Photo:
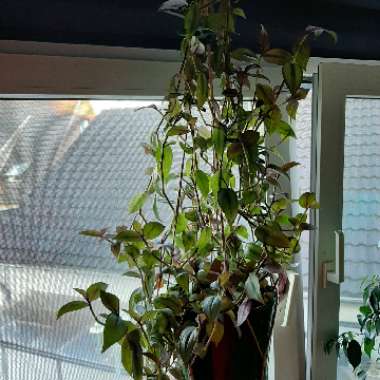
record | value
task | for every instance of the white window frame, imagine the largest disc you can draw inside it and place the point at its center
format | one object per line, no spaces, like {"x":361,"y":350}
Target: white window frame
{"x":83,"y":71}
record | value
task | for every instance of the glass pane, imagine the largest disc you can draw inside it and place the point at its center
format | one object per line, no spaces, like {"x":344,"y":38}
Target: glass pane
{"x":300,"y":151}
{"x":65,"y":166}
{"x":361,"y":210}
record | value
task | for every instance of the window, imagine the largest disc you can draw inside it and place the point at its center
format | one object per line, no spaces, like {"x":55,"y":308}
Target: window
{"x":70,"y":159}
{"x":67,"y":165}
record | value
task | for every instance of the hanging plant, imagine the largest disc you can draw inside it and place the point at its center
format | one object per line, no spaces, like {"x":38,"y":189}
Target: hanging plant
{"x":210,"y":240}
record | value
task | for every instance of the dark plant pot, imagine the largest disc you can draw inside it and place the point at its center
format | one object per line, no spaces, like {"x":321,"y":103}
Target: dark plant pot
{"x":237,"y":357}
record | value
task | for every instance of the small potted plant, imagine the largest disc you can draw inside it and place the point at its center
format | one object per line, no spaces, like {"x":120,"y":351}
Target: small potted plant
{"x":213,"y":271}
{"x":359,"y":347}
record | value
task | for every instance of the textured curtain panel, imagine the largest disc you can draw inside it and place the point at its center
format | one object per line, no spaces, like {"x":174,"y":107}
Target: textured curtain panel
{"x":300,"y":151}
{"x":65,"y":166}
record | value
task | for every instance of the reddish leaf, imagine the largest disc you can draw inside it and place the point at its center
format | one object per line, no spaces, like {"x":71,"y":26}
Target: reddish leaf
{"x":243,"y":312}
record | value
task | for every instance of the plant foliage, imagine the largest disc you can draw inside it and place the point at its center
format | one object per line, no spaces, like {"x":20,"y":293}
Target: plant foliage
{"x":357,"y":346}
{"x":224,"y":240}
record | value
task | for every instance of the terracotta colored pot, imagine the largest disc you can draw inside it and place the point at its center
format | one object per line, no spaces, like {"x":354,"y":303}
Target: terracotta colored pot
{"x":238,"y":357}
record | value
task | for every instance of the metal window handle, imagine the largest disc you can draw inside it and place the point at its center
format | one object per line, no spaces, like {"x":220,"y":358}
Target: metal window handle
{"x":335,"y":276}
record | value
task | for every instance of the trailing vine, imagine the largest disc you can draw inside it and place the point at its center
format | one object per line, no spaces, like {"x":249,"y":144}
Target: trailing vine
{"x":211,"y":239}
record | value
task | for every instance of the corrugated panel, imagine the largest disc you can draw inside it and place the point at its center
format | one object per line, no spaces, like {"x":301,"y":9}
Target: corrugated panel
{"x":90,"y":188}
{"x":77,"y":178}
{"x":361,"y":185}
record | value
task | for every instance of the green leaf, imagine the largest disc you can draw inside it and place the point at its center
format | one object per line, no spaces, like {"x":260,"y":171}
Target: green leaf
{"x":289,"y":165}
{"x":254,"y":252}
{"x":70,"y":307}
{"x":94,"y":233}
{"x":285,"y":130}
{"x":365,"y":310}
{"x":374,"y":299}
{"x":242,"y":232}
{"x":201,"y":92}
{"x":277,"y":56}
{"x":137,"y":202}
{"x":265,"y":93}
{"x":292,"y":108}
{"x":202,"y":182}
{"x":178,"y":130}
{"x":82,"y":292}
{"x":189,"y":239}
{"x":217,"y":332}
{"x":216,"y":21}
{"x":229,"y":204}
{"x":239,"y":12}
{"x":293,"y":75}
{"x":155,"y":209}
{"x":132,"y":354}
{"x":93,"y":291}
{"x":128,"y":236}
{"x":204,"y":238}
{"x":183,"y":281}
{"x":192,"y":216}
{"x":212,"y":305}
{"x":302,"y":55}
{"x":249,"y":197}
{"x":377,"y":325}
{"x":187,"y":340}
{"x":178,"y":373}
{"x":167,"y":301}
{"x":243,"y":54}
{"x":130,"y":255}
{"x":369,"y":345}
{"x":149,"y":315}
{"x":272,"y":237}
{"x":175,"y":106}
{"x":264,"y":39}
{"x":191,"y":19}
{"x":181,"y":223}
{"x":235,"y":152}
{"x":136,"y":297}
{"x":252,"y":287}
{"x":152,"y":230}
{"x":132,"y":273}
{"x":370,"y":329}
{"x":214,"y":183}
{"x":114,"y":330}
{"x":281,"y":204}
{"x":318,"y":31}
{"x":115,"y":249}
{"x":110,"y":301}
{"x":126,"y":357}
{"x":354,"y":353}
{"x":250,"y":139}
{"x":308,"y":200}
{"x":167,"y":162}
{"x":218,"y":140}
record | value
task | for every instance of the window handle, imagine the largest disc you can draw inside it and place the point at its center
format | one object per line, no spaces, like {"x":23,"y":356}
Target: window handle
{"x":334,"y":272}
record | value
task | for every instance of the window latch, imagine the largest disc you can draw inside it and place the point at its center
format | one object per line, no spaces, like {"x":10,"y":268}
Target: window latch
{"x":334,"y":271}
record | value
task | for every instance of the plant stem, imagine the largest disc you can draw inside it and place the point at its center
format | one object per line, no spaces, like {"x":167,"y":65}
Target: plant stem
{"x":94,"y":315}
{"x":255,"y":339}
{"x":162,"y":175}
